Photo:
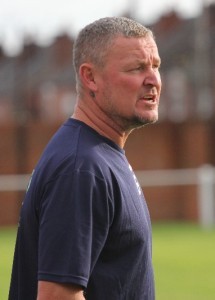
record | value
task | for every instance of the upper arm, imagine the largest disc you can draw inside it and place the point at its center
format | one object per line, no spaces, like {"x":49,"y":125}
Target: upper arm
{"x":74,"y":221}
{"x":55,"y":291}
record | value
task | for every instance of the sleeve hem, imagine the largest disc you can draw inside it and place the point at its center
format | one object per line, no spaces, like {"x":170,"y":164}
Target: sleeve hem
{"x":63,"y":279}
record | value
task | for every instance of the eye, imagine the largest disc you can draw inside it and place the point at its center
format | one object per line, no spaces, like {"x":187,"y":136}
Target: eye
{"x":156,"y":66}
{"x":140,"y":67}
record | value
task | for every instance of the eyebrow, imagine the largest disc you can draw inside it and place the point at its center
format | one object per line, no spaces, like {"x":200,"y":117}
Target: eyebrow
{"x":145,"y":62}
{"x":158,"y":60}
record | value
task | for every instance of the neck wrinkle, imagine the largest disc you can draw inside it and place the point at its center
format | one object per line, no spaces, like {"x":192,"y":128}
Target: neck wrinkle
{"x":100,"y":123}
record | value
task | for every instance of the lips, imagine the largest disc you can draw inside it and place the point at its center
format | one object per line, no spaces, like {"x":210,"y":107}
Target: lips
{"x":150,"y":98}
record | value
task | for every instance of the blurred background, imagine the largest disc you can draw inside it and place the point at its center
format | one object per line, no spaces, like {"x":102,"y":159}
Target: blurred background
{"x":174,"y":159}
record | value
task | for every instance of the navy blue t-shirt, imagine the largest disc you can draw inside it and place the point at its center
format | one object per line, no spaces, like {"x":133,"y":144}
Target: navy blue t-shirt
{"x":84,"y":220}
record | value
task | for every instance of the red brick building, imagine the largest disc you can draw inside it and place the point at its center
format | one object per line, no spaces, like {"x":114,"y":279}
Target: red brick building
{"x":37,"y":93}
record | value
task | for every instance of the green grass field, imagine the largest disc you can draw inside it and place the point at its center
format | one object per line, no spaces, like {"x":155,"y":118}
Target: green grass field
{"x":7,"y":243}
{"x":184,"y":262}
{"x":183,"y":255}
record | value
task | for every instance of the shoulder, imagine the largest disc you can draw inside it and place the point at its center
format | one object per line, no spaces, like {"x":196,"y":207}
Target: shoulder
{"x":77,"y":147}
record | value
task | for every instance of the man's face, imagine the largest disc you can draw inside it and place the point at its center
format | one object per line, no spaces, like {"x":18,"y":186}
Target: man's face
{"x":129,"y":83}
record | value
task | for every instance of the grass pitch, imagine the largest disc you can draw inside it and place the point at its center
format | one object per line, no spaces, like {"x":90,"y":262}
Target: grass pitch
{"x":183,"y":257}
{"x":184,"y":262}
{"x":7,"y":244}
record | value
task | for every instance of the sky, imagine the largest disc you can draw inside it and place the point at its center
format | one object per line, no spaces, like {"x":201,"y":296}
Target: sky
{"x":44,"y":19}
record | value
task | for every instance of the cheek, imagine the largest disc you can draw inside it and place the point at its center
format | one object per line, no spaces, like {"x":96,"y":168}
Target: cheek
{"x":123,"y":88}
{"x":127,"y":86}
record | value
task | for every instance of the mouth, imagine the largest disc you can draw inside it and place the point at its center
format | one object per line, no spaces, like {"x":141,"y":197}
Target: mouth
{"x":150,"y":98}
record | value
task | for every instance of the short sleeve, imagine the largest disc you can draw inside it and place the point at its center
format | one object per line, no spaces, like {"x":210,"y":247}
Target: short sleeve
{"x":75,"y":215}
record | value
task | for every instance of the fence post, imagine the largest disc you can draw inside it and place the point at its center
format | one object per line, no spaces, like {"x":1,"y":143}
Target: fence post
{"x":206,"y":195}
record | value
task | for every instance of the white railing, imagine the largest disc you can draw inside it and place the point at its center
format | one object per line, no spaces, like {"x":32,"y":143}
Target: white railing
{"x":203,"y":178}
{"x":10,"y":183}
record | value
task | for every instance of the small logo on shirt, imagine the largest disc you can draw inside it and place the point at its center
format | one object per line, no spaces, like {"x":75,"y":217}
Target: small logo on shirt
{"x":29,"y":183}
{"x":136,"y":181}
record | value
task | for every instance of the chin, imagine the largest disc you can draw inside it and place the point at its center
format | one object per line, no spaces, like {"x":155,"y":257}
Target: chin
{"x":139,"y":120}
{"x":149,"y":121}
{"x":148,"y":118}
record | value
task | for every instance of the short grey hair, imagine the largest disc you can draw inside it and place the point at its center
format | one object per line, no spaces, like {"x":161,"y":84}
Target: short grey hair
{"x":94,"y":40}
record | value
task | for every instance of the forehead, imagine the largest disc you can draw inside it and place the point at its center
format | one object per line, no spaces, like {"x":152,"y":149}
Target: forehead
{"x":134,"y":47}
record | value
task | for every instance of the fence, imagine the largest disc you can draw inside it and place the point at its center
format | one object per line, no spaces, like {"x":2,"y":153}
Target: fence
{"x":203,"y":177}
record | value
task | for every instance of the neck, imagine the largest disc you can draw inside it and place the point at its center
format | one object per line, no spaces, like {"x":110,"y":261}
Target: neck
{"x":94,"y":117}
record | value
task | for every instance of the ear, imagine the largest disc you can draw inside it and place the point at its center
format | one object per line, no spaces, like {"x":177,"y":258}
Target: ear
{"x":87,"y":76}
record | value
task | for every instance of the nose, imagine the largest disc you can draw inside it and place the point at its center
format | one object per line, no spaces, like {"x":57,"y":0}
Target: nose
{"x":153,"y":78}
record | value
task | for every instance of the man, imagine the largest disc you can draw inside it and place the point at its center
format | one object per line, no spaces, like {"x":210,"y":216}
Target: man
{"x":84,"y":229}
